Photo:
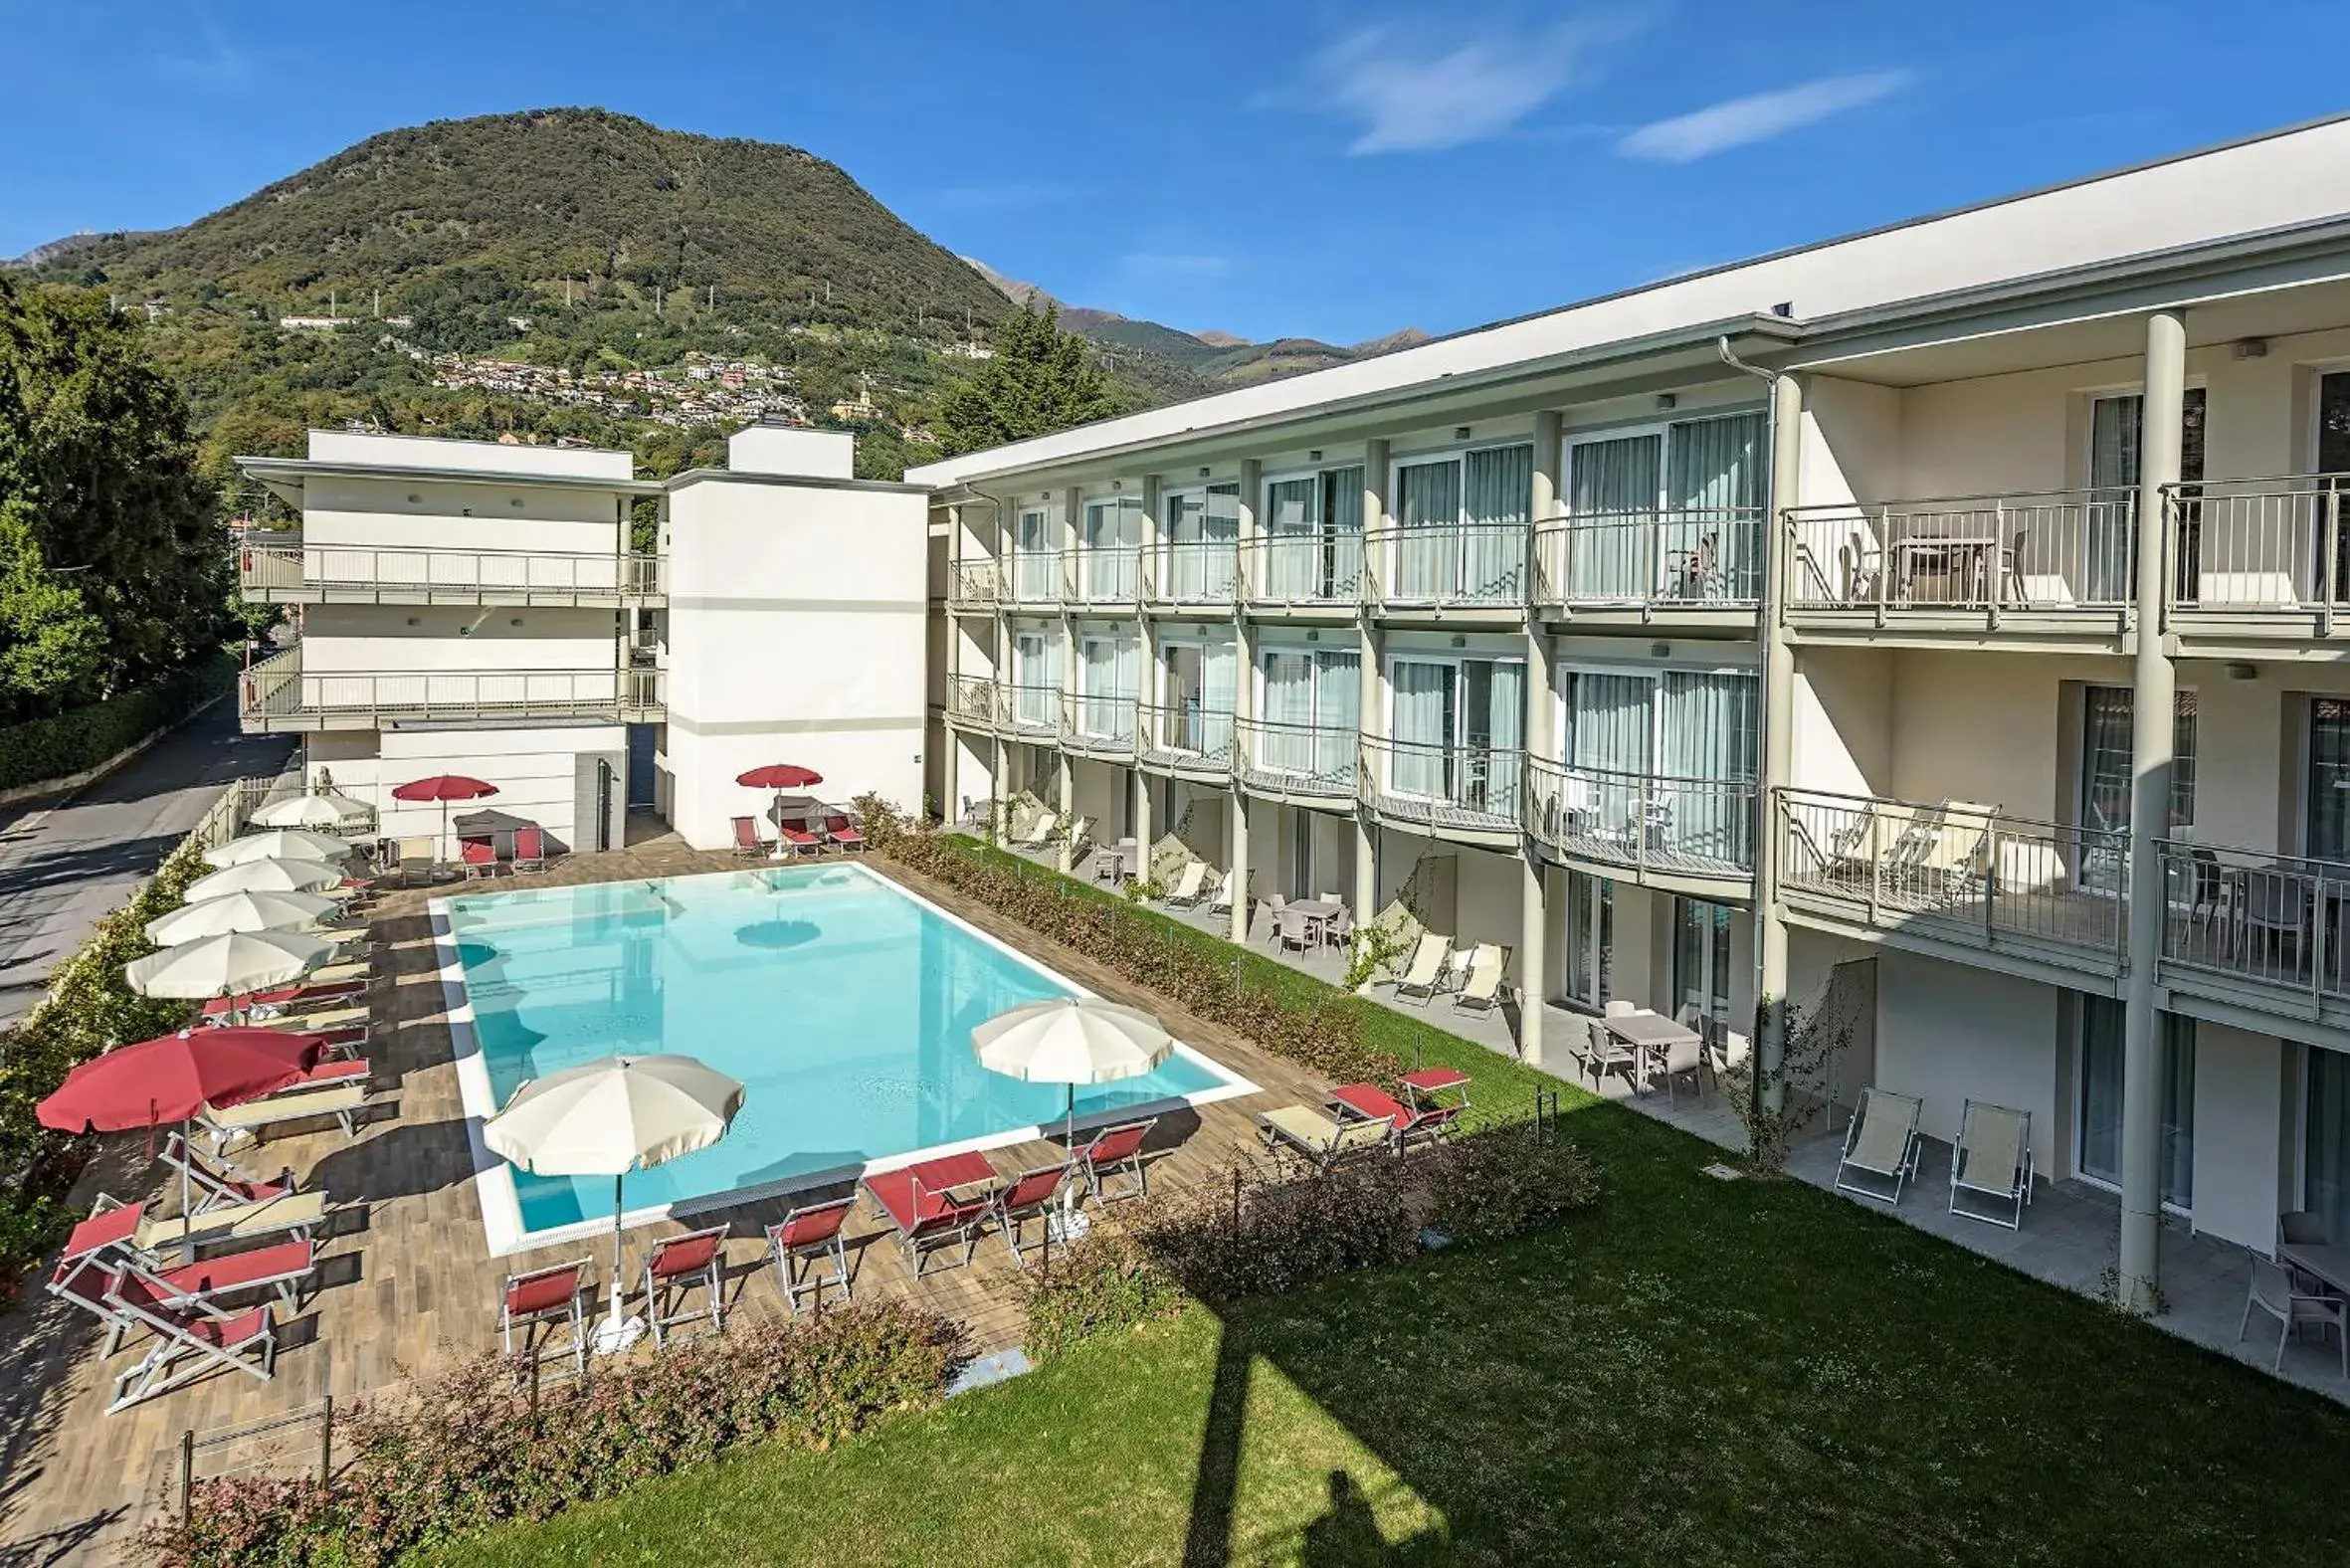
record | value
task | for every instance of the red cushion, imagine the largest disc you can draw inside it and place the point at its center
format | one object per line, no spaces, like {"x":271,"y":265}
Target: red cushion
{"x":809,"y":1227}
{"x":683,"y":1254}
{"x":105,"y":1229}
{"x":542,"y":1292}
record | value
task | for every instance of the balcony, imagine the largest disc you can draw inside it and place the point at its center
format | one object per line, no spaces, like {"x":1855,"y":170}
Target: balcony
{"x":1187,"y":742}
{"x":306,"y":573}
{"x":2263,"y":556}
{"x":1101,"y":579}
{"x":974,"y":585}
{"x":1034,"y":580}
{"x":975,"y":703}
{"x":1099,"y":726}
{"x":1310,"y":765}
{"x":1674,"y":832}
{"x":1303,"y":572}
{"x":2261,"y":932}
{"x":1464,"y":566}
{"x":1954,"y":880}
{"x":1030,"y":711}
{"x":1192,"y":573}
{"x":2050,"y":560}
{"x":279,"y":694}
{"x":1460,"y":791}
{"x":1689,"y":560}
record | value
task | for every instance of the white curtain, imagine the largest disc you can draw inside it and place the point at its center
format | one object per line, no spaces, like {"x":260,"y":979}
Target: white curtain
{"x":1289,"y":710}
{"x":1709,"y":737}
{"x":1341,"y":574}
{"x":1422,"y":727}
{"x":1506,"y":733}
{"x":1612,"y":490}
{"x":1499,"y":499}
{"x":1293,"y":548}
{"x":1217,"y":695}
{"x":1610,"y":718}
{"x":1715,"y":477}
{"x":1038,"y":573}
{"x":1428,"y":511}
{"x":1336,"y":702}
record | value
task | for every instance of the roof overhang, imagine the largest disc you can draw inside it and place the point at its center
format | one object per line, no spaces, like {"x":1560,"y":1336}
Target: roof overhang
{"x":286,"y":477}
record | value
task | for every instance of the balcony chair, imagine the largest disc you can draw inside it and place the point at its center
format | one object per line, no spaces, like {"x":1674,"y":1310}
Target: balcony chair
{"x":2272,"y":1291}
{"x":1881,"y":1146}
{"x":1031,"y":1195}
{"x":547,"y":1296}
{"x":1292,"y":930}
{"x":1110,"y":1151}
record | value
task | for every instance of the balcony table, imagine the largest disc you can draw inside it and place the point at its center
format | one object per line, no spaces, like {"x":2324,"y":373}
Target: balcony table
{"x":1964,"y":558}
{"x":1318,"y":913}
{"x":2323,"y":1261}
{"x":1650,"y":1035}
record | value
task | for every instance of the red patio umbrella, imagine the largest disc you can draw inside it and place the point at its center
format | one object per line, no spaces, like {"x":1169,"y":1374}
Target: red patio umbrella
{"x":173,"y":1077}
{"x":443,"y":787}
{"x":779,"y":776}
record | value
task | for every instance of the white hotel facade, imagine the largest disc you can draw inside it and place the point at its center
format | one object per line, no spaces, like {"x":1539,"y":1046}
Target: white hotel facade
{"x":1965,"y":601}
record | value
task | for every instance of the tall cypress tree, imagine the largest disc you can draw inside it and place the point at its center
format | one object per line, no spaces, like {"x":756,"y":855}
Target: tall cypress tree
{"x":1042,"y":379}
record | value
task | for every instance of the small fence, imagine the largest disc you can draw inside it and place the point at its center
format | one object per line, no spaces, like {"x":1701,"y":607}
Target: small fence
{"x":295,"y":1445}
{"x":1465,"y":564}
{"x":2272,"y":921}
{"x":2038,"y":550}
{"x":1700,"y":555}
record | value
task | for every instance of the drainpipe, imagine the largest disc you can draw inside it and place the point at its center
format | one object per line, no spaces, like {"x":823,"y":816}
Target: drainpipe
{"x":1151,"y":678}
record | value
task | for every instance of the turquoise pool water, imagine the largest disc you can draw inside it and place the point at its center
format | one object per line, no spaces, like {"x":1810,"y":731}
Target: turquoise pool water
{"x":844,"y":1003}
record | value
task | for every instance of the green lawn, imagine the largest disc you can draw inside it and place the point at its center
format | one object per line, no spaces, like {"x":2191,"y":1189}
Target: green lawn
{"x":1690,"y":1373}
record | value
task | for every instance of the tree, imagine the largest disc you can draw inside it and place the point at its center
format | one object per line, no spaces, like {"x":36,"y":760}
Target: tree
{"x":1040,"y":380}
{"x":50,"y":643}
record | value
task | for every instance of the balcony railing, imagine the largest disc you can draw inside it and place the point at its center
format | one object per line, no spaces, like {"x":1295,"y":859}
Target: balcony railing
{"x":974,"y":582}
{"x":1097,"y":575}
{"x":1694,"y":556}
{"x":1475,"y":565}
{"x":2048,"y":550}
{"x":1642,"y":820}
{"x":2267,"y":921}
{"x":1464,"y":787}
{"x":1186,"y":739}
{"x":1967,"y":874}
{"x":1029,"y":706}
{"x":2259,"y":544}
{"x":1035,"y":577}
{"x":975,"y":699}
{"x":1304,"y":569}
{"x":1192,"y":571}
{"x":280,"y":693}
{"x":1299,"y":761}
{"x":1098,"y":724}
{"x":345,"y":573}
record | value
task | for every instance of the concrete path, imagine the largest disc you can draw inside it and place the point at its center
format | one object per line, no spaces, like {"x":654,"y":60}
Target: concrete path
{"x":65,"y":863}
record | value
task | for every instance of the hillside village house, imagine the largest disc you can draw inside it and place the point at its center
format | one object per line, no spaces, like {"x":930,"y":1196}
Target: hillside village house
{"x":1954,"y":608}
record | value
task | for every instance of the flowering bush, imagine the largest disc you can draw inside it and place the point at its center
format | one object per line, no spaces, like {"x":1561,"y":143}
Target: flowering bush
{"x":1246,"y":1231}
{"x":1099,"y":1285}
{"x":469,"y":1450}
{"x":1505,"y":1180}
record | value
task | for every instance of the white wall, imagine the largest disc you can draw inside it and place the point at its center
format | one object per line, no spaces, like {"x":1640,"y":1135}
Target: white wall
{"x":2239,"y":1156}
{"x":378,"y":639}
{"x":796,"y":634}
{"x":456,"y":514}
{"x":543,"y":774}
{"x":1946,"y":1033}
{"x":480,"y":457}
{"x":783,"y":450}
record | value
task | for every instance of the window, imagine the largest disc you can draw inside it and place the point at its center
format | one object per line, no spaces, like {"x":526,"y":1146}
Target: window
{"x":1671,"y":753}
{"x":1039,"y":576}
{"x":1672,"y":510}
{"x":1590,"y":939}
{"x":1313,"y":526}
{"x":1702,"y":956}
{"x":2106,"y":748}
{"x":1113,"y":528}
{"x":1461,"y":526}
{"x":2101,"y":1048}
{"x":2325,"y":1139}
{"x":1196,"y":698}
{"x":1456,"y":728}
{"x":1203,"y":530}
{"x":1108,"y":668}
{"x":2116,"y":425}
{"x":1310,"y":699}
{"x":1035,"y":677}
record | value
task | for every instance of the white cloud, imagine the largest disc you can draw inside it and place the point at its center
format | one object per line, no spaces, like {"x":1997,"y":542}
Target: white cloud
{"x":1757,"y":118}
{"x":1412,"y":97}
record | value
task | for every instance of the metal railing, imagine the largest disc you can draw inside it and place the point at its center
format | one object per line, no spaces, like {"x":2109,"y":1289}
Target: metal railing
{"x":1188,"y":739}
{"x":359,"y":572}
{"x":2261,"y":919}
{"x":974,"y":582}
{"x":1467,"y":565}
{"x":1035,"y":577}
{"x":1645,"y":821}
{"x":974,"y":700}
{"x":1191,"y":571}
{"x":1969,"y":872}
{"x":2252,"y":544}
{"x":1302,"y":761}
{"x":1465,"y":787}
{"x":2035,"y":551}
{"x":1098,"y":724}
{"x":1319,"y":569}
{"x":1101,"y":575}
{"x":1697,"y":555}
{"x":280,"y":690}
{"x":1027,"y":706}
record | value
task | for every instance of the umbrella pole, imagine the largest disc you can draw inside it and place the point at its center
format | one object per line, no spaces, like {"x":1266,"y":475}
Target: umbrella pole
{"x":187,"y":1151}
{"x":615,"y":1296}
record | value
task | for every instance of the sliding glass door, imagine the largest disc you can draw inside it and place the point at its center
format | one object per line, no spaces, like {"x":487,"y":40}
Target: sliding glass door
{"x":2106,"y":749}
{"x":2116,"y":426}
{"x":1668,"y":756}
{"x":2100,"y":1074}
{"x":1112,"y":532}
{"x":2326,"y":835}
{"x":1196,"y":703}
{"x":1313,"y":547}
{"x":1672,"y":511}
{"x":1309,"y":703}
{"x":1036,"y":678}
{"x":1458,"y":731}
{"x":1590,"y":964}
{"x":1202,"y":542}
{"x":1461,"y":525}
{"x":1036,"y":571}
{"x":1702,"y":956}
{"x":2325,"y":1140}
{"x":1108,"y":671}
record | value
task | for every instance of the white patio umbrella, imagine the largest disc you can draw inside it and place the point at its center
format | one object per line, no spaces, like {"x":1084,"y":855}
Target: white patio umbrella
{"x":608,"y":1117}
{"x":228,"y":964}
{"x":279,"y":844}
{"x":239,"y":911}
{"x":325,"y":809}
{"x":1072,"y":1040}
{"x":266,"y":876}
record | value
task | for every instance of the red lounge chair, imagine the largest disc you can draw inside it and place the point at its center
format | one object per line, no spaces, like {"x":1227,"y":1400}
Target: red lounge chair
{"x":546,"y":1295}
{"x":287,"y":996}
{"x":840,"y":831}
{"x":213,"y":1182}
{"x":1435,"y":1080}
{"x":1032,"y":1195}
{"x":748,"y":845}
{"x":89,"y":1282}
{"x":189,"y":1342}
{"x":800,"y":838}
{"x":812,"y":1231}
{"x":1113,"y":1149}
{"x":530,"y":849}
{"x":929,"y":1205}
{"x":479,"y":858}
{"x":678,"y":1264}
{"x":1404,"y":1122}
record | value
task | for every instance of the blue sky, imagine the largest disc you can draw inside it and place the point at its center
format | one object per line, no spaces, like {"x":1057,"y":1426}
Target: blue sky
{"x":1322,"y":169}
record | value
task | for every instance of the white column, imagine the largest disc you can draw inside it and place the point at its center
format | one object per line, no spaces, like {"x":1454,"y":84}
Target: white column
{"x":1777,"y":735}
{"x":1370,"y":692}
{"x":2153,"y":699}
{"x":1534,"y":905}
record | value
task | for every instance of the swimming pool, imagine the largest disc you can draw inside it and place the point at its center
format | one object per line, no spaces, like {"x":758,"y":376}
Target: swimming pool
{"x":843,"y":1002}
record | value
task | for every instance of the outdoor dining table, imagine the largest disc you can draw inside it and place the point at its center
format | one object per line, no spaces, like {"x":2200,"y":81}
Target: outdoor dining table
{"x":1650,"y":1035}
{"x":2323,"y":1260}
{"x":1318,"y":913}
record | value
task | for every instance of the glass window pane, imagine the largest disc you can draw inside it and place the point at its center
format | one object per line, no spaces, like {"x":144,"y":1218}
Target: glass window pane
{"x":2325,"y":1142}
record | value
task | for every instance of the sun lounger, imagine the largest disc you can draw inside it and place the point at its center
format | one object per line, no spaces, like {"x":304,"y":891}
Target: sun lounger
{"x":1481,"y":989}
{"x":549,"y":1295}
{"x":1031,"y":1195}
{"x":748,"y":846}
{"x":841,"y":834}
{"x":1040,"y":832}
{"x":1991,"y":1164}
{"x":479,"y":859}
{"x":333,"y":1023}
{"x":1109,"y":1151}
{"x":1321,"y":1139}
{"x":213,"y":1182}
{"x":342,"y":1100}
{"x":87,"y":1282}
{"x":676,"y":1264}
{"x":1404,"y":1122}
{"x":419,"y":859}
{"x":114,"y":1227}
{"x":800,"y":840}
{"x":530,"y":849}
{"x":310,"y":994}
{"x":1425,"y":971}
{"x":810,"y":1233}
{"x":1880,"y":1145}
{"x":1189,"y":887}
{"x":189,"y":1342}
{"x":936,"y":1203}
{"x":1437,"y":1081}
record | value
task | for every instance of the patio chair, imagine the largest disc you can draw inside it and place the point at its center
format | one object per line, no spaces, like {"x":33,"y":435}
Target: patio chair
{"x":1189,"y":887}
{"x":1292,"y":929}
{"x":190,"y":1342}
{"x":935,"y":1204}
{"x":1039,"y":835}
{"x":810,"y":1233}
{"x":477,"y":858}
{"x":2272,"y":1293}
{"x":1480,"y":987}
{"x":801,"y":839}
{"x":1031,"y":1195}
{"x":1220,"y":902}
{"x":419,"y":859}
{"x":1320,"y":1140}
{"x":1338,"y":930}
{"x":1881,"y":1144}
{"x":234,"y":1123}
{"x":132,"y":1229}
{"x":1685,"y":1059}
{"x":1404,"y":1122}
{"x":841,"y":834}
{"x":748,"y":846}
{"x":675,"y":1266}
{"x":552,"y":1295}
{"x":530,"y":849}
{"x":2302,"y":1227}
{"x":213,"y":1182}
{"x":1605,"y":1054}
{"x":1991,"y":1164}
{"x":1109,"y":1151}
{"x":1275,"y":908}
{"x":87,"y":1282}
{"x":1425,"y":971}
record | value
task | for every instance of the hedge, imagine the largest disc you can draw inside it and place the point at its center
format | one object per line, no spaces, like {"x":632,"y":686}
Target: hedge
{"x":81,"y":739}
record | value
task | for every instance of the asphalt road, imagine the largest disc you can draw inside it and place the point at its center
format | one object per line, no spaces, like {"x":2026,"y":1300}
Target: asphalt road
{"x":65,"y":863}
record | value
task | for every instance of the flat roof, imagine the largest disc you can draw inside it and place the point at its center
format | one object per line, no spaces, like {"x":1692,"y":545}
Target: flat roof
{"x":292,"y":472}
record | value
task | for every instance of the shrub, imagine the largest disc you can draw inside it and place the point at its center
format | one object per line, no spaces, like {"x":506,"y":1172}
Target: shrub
{"x":470,"y":1450}
{"x":1097,"y":1285}
{"x":42,"y":749}
{"x":1505,"y":1180}
{"x":1246,"y":1231}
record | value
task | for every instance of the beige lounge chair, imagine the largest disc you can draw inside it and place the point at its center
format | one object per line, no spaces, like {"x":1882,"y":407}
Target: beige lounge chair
{"x":1322,"y":1139}
{"x":1189,"y":887}
{"x":1991,"y":1164}
{"x":342,"y":1101}
{"x":1881,"y":1146}
{"x":1425,"y":971}
{"x":296,"y":1213}
{"x":1480,"y":987}
{"x":1040,"y":832}
{"x":1945,"y":851}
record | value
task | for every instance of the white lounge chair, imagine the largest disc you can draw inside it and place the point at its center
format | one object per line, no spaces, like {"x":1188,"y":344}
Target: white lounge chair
{"x":1322,"y":1139}
{"x":1991,"y":1164}
{"x":2272,"y":1291}
{"x":191,"y":1339}
{"x":342,"y":1101}
{"x":1880,"y":1145}
{"x":1481,"y":988}
{"x":1040,"y":832}
{"x":1425,"y":972}
{"x":1220,"y":902}
{"x":1189,"y":887}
